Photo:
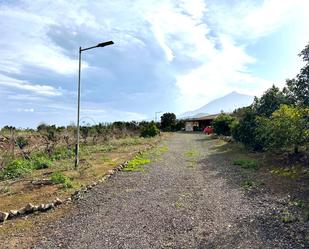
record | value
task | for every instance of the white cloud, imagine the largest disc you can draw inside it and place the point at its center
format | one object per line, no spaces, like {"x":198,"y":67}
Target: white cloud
{"x":25,"y":110}
{"x":38,"y":89}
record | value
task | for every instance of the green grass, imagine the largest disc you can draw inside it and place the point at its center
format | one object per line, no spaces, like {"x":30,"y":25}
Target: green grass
{"x":179,"y":204}
{"x":191,"y":153}
{"x":247,"y":163}
{"x":136,"y":164}
{"x":292,"y":172}
{"x":287,"y":217}
{"x":60,"y":178}
{"x":16,"y":168}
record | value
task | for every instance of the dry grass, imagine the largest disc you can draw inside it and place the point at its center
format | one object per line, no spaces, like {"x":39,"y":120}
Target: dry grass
{"x":95,"y":163}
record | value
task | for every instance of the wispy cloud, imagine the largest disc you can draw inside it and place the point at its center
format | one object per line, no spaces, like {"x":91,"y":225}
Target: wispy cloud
{"x":39,"y":89}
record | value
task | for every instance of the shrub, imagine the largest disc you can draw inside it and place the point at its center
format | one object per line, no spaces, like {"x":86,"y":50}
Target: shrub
{"x":222,"y":124}
{"x":245,"y":130}
{"x":287,"y":127}
{"x":16,"y":168}
{"x":150,"y":130}
{"x":40,"y":162}
{"x":21,"y":142}
{"x":59,"y":178}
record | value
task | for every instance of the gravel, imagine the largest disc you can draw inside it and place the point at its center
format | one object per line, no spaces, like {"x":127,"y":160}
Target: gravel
{"x":179,"y":201}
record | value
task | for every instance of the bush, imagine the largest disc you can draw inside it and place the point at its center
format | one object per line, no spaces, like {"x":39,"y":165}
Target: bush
{"x":150,"y":130}
{"x":59,"y":178}
{"x":16,"y":168}
{"x":21,"y":142}
{"x":245,"y":130}
{"x":222,"y":124}
{"x":40,"y":162}
{"x":287,"y":128}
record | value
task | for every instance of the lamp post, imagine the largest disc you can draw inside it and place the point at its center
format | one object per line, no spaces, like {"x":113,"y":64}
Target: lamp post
{"x":100,"y":45}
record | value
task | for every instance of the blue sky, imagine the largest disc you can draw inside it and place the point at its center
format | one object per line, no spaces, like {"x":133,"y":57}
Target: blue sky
{"x":168,"y":55}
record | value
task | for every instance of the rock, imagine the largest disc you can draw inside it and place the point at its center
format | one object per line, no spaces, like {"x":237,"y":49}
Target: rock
{"x":3,"y":216}
{"x":13,"y":213}
{"x":57,"y":202}
{"x":42,"y":182}
{"x":29,"y":208}
{"x":42,"y":207}
{"x":69,"y":199}
{"x":21,"y":211}
{"x":111,"y":172}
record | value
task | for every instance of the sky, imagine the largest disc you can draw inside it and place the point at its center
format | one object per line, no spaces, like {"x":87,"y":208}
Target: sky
{"x":169,"y":55}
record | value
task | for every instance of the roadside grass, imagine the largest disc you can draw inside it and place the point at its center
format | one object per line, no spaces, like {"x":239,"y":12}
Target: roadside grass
{"x":136,"y":164}
{"x":247,"y":163}
{"x":16,"y":188}
{"x":292,"y":172}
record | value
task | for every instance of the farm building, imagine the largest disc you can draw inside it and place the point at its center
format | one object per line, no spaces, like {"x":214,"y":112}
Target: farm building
{"x":198,"y":124}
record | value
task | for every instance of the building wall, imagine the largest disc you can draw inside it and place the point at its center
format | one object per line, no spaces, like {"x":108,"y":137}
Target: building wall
{"x":190,"y":124}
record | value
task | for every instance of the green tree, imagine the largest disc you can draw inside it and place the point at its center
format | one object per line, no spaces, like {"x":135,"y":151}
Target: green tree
{"x":245,"y":130}
{"x":222,"y":124}
{"x":269,"y":101}
{"x":150,"y":130}
{"x":168,"y":121}
{"x":288,"y":127}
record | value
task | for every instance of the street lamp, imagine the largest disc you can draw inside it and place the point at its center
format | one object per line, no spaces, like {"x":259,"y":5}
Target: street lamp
{"x":100,"y":45}
{"x":156,"y":115}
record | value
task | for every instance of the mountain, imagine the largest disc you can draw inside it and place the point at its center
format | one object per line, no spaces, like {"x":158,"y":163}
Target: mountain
{"x":227,"y":103}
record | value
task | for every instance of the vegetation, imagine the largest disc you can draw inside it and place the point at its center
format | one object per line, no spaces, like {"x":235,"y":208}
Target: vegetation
{"x":168,"y":122}
{"x":277,"y":121}
{"x":150,"y":130}
{"x":136,"y":164}
{"x":246,"y":163}
{"x":60,"y":178}
{"x":222,"y":124}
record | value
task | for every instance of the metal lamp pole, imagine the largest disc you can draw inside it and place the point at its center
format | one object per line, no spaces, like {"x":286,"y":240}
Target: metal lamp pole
{"x":103,"y":44}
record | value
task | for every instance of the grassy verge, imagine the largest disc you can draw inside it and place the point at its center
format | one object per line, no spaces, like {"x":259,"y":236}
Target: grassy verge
{"x":16,"y":188}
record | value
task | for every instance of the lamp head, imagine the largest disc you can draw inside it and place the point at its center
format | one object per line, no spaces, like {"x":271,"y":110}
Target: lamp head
{"x":104,"y":44}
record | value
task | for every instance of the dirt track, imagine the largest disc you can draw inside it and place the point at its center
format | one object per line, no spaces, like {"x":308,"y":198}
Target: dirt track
{"x":189,"y":198}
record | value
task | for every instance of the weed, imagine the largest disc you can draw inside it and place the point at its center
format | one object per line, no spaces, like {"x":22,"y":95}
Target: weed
{"x":191,"y":153}
{"x":192,"y":164}
{"x":60,"y":178}
{"x":178,"y":204}
{"x":292,"y":172}
{"x":287,"y":217}
{"x":136,"y":164}
{"x":247,"y":163}
{"x":16,"y":168}
{"x":298,"y":203}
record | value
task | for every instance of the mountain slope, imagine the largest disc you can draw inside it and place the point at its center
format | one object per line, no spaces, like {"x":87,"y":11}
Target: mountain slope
{"x":227,"y":103}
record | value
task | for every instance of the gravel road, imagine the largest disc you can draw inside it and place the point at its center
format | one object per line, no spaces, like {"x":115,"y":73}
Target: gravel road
{"x":185,"y":199}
